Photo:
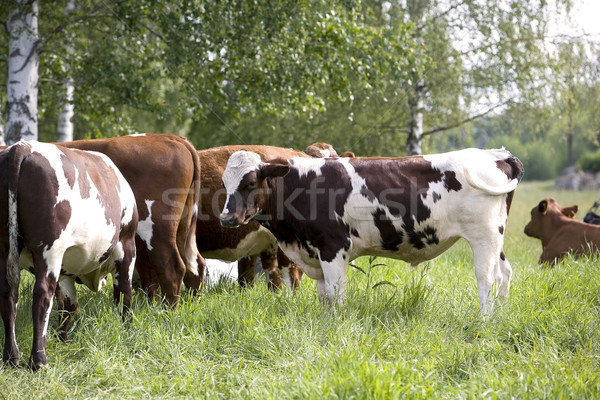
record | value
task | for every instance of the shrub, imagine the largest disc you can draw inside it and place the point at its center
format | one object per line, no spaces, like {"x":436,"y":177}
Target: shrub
{"x":590,"y":161}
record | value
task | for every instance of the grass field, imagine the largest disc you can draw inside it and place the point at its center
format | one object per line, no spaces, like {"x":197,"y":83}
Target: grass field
{"x":418,"y":337}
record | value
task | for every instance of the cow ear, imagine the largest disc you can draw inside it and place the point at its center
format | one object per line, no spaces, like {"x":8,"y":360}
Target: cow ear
{"x":274,"y":168}
{"x":543,"y":206}
{"x":570,"y":211}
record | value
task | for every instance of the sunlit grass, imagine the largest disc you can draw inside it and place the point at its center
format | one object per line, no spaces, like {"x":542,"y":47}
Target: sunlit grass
{"x":403,"y":333}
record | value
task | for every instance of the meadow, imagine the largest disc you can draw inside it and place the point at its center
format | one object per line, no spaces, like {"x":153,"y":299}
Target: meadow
{"x":404,"y":333}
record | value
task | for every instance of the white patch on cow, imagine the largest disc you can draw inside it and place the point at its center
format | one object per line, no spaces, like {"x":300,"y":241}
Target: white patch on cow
{"x":479,"y":168}
{"x":286,"y":278}
{"x":239,"y":164}
{"x":47,"y":318}
{"x":144,"y":230}
{"x":325,"y":153}
{"x":335,"y":279}
{"x":254,"y":243}
{"x":137,"y":134}
{"x":299,"y":256}
{"x":218,"y":269}
{"x":306,"y":165}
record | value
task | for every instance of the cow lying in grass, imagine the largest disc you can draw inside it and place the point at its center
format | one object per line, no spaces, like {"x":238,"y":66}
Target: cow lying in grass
{"x":559,"y":232}
{"x":326,"y":212}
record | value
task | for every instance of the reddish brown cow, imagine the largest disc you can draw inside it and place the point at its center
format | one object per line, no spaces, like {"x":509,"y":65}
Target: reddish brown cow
{"x":70,"y":216}
{"x":164,"y":174}
{"x":559,"y":232}
{"x":251,"y":240}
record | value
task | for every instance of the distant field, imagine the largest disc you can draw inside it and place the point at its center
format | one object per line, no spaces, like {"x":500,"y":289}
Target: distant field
{"x":404,"y":333}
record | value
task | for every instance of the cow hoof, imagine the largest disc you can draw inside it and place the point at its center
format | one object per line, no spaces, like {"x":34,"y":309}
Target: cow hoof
{"x":35,"y":365}
{"x":12,"y":363}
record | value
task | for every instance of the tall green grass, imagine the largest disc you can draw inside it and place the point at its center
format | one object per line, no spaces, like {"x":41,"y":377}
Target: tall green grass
{"x":404,"y":333}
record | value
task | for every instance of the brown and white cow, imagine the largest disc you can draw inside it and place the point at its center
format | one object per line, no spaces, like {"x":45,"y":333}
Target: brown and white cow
{"x":326,"y":212}
{"x":68,"y":215}
{"x":250,"y":240}
{"x":164,"y":173}
{"x":559,"y":232}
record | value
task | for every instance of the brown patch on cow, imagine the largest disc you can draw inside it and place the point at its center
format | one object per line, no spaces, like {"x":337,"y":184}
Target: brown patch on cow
{"x":354,"y":232}
{"x":436,"y":197}
{"x":502,"y":256}
{"x":412,"y":177}
{"x":68,"y":170}
{"x":390,"y":237}
{"x":317,"y":149}
{"x":311,"y":211}
{"x":84,"y":183}
{"x":450,"y":181}
{"x":512,"y":167}
{"x":501,"y":229}
{"x":38,"y":190}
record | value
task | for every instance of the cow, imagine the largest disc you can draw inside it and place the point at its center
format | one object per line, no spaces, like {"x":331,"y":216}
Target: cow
{"x":68,"y":215}
{"x":327,"y":212}
{"x":560,"y":233}
{"x":251,"y":240}
{"x":163,"y":171}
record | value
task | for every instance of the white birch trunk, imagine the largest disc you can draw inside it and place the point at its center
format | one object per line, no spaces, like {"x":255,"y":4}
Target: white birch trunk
{"x":414,"y":140}
{"x":64,"y":128}
{"x":23,"y":63}
{"x":2,"y":143}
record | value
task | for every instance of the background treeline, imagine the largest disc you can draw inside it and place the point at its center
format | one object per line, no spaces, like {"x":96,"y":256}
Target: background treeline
{"x":375,"y":77}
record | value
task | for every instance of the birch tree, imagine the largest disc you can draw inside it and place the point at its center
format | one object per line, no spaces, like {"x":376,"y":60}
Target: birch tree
{"x":64,"y":128}
{"x":484,"y":53}
{"x":22,"y":70}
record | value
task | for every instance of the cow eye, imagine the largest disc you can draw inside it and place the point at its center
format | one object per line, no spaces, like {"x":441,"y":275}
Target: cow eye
{"x":252,"y":183}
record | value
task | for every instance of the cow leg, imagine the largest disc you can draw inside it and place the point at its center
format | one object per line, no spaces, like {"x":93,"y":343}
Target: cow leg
{"x":43,"y":293}
{"x":8,"y":309}
{"x":143,"y":266}
{"x":503,"y":275}
{"x":169,"y":268}
{"x":268,"y":260}
{"x":66,"y":296}
{"x":193,"y":281}
{"x":246,"y":270}
{"x":290,"y":273}
{"x":485,"y":256}
{"x":122,"y":280}
{"x":333,"y":285}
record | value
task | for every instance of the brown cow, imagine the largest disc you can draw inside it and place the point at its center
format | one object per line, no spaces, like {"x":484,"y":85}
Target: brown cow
{"x":164,"y":174}
{"x":559,"y":232}
{"x":251,"y":240}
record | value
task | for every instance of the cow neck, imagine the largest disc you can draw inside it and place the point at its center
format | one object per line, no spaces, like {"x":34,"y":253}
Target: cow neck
{"x":556,"y":222}
{"x":270,"y":210}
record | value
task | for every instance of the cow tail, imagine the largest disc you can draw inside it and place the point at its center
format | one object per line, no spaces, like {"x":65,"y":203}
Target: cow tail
{"x":513,"y":170}
{"x":191,"y":253}
{"x":17,"y":154}
{"x":517,"y":170}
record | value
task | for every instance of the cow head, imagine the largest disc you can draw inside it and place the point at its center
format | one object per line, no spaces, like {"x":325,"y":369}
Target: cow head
{"x":544,"y":215}
{"x":247,"y":182}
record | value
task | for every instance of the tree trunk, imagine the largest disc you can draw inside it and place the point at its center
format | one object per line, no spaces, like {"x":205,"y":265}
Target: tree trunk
{"x":64,"y":128}
{"x":22,"y":82}
{"x":414,"y":139}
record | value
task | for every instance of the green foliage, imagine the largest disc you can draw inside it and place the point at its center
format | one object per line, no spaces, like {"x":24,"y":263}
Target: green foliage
{"x":590,"y":161}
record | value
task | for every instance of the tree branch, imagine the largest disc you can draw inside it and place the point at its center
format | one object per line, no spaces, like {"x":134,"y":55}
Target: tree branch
{"x":464,"y":121}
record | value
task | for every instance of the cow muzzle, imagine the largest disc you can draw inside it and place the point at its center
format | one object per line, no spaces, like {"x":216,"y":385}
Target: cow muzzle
{"x":230,"y":220}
